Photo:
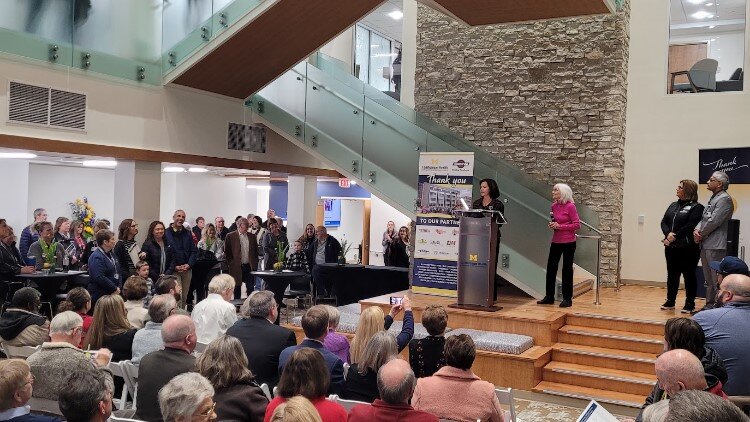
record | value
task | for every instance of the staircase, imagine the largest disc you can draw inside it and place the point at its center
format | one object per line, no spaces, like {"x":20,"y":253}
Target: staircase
{"x":607,"y":359}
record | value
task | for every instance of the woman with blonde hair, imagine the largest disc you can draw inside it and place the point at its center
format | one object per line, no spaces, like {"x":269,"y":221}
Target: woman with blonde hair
{"x":296,"y":409}
{"x":237,"y":396}
{"x":361,"y":382}
{"x":564,"y":224}
{"x":110,"y":328}
{"x":373,"y":320}
{"x":210,"y":250}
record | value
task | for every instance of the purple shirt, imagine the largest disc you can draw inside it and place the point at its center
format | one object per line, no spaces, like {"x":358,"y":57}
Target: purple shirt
{"x":566,"y":216}
{"x":338,"y":345}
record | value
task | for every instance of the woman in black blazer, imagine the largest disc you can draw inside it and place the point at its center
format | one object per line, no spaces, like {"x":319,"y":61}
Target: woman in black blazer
{"x":158,"y":252}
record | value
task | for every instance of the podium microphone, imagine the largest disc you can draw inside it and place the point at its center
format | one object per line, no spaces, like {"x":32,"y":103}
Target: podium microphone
{"x":464,"y":204}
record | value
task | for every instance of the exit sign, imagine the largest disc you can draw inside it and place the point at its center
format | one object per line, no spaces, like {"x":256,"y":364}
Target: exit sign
{"x":344,"y":182}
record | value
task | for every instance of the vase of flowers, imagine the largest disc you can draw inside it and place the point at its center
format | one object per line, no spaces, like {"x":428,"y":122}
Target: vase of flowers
{"x":281,"y":250}
{"x":82,"y":210}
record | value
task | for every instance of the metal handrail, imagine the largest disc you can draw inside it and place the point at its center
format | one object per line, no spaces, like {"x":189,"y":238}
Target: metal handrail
{"x":591,"y":227}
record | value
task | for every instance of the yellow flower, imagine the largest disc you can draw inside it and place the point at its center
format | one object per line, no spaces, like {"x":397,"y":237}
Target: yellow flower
{"x":87,"y":220}
{"x":89,"y":229}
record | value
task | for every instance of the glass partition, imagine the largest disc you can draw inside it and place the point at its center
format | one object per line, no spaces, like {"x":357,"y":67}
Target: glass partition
{"x":38,"y":30}
{"x":706,"y":46}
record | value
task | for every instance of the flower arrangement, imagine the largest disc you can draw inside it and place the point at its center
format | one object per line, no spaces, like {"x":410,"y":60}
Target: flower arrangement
{"x":281,"y":250}
{"x":82,"y":210}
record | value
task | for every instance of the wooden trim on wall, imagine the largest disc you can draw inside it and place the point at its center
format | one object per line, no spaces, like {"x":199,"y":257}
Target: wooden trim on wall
{"x":136,"y":154}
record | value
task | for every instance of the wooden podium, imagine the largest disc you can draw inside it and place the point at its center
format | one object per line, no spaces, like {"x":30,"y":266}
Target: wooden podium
{"x":477,"y":259}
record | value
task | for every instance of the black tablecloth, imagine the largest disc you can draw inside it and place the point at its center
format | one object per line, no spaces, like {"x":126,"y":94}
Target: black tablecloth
{"x":277,"y":283}
{"x":352,"y":283}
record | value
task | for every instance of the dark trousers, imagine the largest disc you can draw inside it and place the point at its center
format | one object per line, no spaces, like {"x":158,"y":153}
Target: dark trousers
{"x":247,"y":279}
{"x":567,"y":251}
{"x":682,"y":261}
{"x":322,"y":286}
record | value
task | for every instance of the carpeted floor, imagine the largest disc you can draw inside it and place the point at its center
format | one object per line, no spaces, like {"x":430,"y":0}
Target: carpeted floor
{"x":536,"y":411}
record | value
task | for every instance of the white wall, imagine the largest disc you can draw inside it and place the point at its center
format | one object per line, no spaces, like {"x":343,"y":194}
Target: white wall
{"x":341,"y":47}
{"x":409,"y":53}
{"x":206,"y":195}
{"x":123,"y":114}
{"x":728,"y":48}
{"x":380,"y":214}
{"x":352,"y":217}
{"x":14,"y":207}
{"x":53,"y":187}
{"x":664,"y":134}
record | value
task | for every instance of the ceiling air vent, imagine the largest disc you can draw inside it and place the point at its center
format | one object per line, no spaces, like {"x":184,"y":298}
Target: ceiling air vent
{"x":45,"y":106}
{"x":246,"y":138}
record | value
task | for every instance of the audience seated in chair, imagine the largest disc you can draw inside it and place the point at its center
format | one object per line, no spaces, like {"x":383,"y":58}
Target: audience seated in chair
{"x":187,"y":397}
{"x":16,"y":388}
{"x":678,"y":370}
{"x":149,"y":339}
{"x":372,"y":320}
{"x":306,"y":374}
{"x":171,"y":285}
{"x":437,"y":394}
{"x":315,"y":326}
{"x":335,"y":342}
{"x":262,"y":340}
{"x":45,"y":251}
{"x":11,"y":261}
{"x":361,"y":382}
{"x":426,"y":355}
{"x":215,"y":314}
{"x":699,"y":406}
{"x":21,"y":324}
{"x":396,"y":383}
{"x":726,"y":330}
{"x":135,"y":291}
{"x":78,"y":300}
{"x":237,"y":396}
{"x":60,"y":357}
{"x":684,"y":333}
{"x":111,"y":329}
{"x":86,"y":397}
{"x":157,"y":368}
{"x":296,"y":409}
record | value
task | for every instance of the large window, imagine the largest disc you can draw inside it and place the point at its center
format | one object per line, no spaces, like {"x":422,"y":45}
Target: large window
{"x":706,"y":46}
{"x":374,"y":55}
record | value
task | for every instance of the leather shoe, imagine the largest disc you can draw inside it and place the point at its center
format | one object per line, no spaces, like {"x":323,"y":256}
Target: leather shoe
{"x":566,"y":304}
{"x":546,"y":301}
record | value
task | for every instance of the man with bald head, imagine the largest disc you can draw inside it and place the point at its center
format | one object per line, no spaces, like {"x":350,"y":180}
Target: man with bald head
{"x":727,"y":330}
{"x":157,"y":368}
{"x":396,"y":383}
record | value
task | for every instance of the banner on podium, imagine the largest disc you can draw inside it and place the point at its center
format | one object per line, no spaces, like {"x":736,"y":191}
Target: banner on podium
{"x":444,"y":179}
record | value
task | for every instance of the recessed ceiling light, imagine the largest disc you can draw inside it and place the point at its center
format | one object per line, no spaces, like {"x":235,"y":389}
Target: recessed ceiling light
{"x":702,"y":14}
{"x":353,"y":182}
{"x":709,"y":4}
{"x":696,"y":1}
{"x":712,"y":27}
{"x":197,"y":170}
{"x":397,"y":14}
{"x":174,"y":169}
{"x":26,"y":155}
{"x":266,"y":187}
{"x":99,"y":163}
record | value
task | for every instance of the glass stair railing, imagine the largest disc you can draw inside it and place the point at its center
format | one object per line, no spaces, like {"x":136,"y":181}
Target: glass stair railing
{"x":377,"y":140}
{"x":137,"y":40}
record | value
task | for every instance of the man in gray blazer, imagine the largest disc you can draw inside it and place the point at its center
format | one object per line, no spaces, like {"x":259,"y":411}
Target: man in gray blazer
{"x":711,"y":232}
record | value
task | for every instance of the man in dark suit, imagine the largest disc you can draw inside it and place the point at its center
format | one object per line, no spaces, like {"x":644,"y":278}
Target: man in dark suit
{"x":262,"y":340}
{"x":157,"y":368}
{"x":315,"y":326}
{"x":241,"y":253}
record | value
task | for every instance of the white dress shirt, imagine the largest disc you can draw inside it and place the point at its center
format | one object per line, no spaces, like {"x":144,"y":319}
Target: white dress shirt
{"x":212,"y":317}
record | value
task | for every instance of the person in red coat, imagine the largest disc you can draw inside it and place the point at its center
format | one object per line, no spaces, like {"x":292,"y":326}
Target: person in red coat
{"x":396,"y":383}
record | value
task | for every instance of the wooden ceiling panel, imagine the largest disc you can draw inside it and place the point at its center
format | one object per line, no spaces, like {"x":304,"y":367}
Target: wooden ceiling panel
{"x":486,"y":12}
{"x":274,"y":42}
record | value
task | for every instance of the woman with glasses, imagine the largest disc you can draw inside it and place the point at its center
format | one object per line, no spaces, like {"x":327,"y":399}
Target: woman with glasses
{"x":680,"y":249}
{"x":238,"y":396}
{"x":187,"y":398}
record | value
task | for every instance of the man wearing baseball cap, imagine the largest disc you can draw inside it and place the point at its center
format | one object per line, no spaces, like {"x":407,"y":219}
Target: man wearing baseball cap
{"x":729,"y":265}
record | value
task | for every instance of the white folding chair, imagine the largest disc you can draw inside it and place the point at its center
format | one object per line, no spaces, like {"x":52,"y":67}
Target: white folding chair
{"x":117,"y":371}
{"x":20,"y":352}
{"x":114,"y":418}
{"x":45,"y":405}
{"x":505,"y":395}
{"x":130,"y":375}
{"x":275,"y":391}
{"x":346,"y":369}
{"x":266,"y":391}
{"x":346,"y":404}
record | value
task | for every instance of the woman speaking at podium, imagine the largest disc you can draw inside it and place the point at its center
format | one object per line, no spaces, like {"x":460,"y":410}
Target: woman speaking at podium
{"x":489,"y":199}
{"x":564,"y":221}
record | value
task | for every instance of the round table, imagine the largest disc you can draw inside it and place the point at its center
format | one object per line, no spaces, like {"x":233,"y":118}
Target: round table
{"x":48,"y":284}
{"x":277,"y":283}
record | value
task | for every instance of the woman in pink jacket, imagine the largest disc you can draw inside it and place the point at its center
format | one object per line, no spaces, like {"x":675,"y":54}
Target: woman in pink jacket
{"x":564,"y":222}
{"x":454,"y":392}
